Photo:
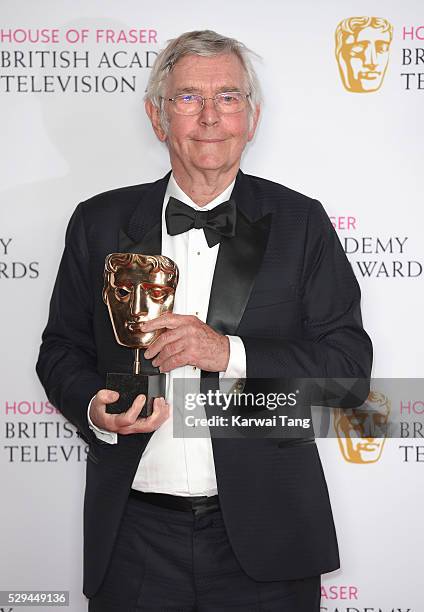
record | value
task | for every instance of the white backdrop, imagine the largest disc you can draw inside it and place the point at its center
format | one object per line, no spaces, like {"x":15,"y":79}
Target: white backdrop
{"x":360,"y":154}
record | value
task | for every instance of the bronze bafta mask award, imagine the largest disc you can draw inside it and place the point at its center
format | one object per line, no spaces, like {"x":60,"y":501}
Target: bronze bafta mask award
{"x":137,"y":288}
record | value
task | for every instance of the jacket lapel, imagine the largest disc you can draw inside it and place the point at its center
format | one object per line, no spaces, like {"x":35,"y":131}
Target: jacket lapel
{"x":144,"y":231}
{"x":238,"y":262}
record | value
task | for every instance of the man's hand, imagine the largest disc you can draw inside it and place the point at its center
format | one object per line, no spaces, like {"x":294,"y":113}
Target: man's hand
{"x":187,"y":341}
{"x":127,"y":422}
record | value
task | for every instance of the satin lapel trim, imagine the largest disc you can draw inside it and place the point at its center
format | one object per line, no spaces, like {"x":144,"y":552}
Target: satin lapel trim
{"x":237,"y":265}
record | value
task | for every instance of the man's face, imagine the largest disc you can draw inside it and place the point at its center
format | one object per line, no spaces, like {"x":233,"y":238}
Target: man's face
{"x":134,"y":295}
{"x":209,"y":140}
{"x":364,"y":58}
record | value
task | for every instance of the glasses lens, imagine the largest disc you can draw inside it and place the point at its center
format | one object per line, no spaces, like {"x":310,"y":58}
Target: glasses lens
{"x":230,"y":102}
{"x":188,"y":104}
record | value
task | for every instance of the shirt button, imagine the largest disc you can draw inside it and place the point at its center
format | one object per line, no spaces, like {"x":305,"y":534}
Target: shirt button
{"x":194,"y":368}
{"x":198,"y":252}
{"x":197,"y":313}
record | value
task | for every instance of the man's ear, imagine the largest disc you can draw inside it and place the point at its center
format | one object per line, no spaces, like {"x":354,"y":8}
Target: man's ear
{"x":255,"y":119}
{"x":154,"y":116}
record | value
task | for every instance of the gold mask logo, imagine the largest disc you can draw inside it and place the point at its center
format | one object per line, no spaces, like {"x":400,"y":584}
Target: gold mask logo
{"x":353,"y":426}
{"x":362,"y":52}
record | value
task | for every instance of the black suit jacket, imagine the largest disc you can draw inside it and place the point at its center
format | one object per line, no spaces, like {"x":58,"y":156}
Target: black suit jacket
{"x":284,"y":285}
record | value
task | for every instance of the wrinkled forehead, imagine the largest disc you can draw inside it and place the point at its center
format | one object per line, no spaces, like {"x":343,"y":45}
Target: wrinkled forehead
{"x":367,"y":34}
{"x":133,"y":274}
{"x":206,"y":74}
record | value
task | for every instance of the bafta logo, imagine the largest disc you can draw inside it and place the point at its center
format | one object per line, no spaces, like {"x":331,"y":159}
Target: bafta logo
{"x":362,"y":52}
{"x":361,"y":433}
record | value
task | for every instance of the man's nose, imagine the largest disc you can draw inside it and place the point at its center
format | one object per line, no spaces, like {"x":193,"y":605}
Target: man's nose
{"x":209,"y":115}
{"x":138,"y":305}
{"x":370,"y":56}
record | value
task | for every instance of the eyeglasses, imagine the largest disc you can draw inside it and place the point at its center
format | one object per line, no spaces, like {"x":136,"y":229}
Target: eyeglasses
{"x":225,"y":103}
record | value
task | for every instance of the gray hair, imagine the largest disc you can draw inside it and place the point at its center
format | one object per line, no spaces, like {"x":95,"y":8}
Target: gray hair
{"x":205,"y":43}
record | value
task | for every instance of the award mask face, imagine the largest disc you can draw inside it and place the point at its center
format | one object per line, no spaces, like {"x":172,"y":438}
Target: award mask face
{"x":362,"y":52}
{"x":138,"y":288}
{"x":362,"y":434}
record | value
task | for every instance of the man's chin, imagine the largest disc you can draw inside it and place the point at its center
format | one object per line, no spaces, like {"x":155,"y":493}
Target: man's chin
{"x":212,"y":163}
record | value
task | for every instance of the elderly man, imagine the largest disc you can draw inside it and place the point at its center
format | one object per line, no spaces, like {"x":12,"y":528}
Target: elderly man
{"x":265,"y":290}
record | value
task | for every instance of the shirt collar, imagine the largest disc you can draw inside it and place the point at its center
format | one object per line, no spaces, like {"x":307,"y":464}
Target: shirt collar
{"x":174,"y":190}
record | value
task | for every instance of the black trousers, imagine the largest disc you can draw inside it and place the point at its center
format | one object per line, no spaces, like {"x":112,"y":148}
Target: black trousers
{"x":167,"y":560}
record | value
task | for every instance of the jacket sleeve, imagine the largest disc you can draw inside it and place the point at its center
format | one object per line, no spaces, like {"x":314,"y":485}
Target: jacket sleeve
{"x":334,"y":343}
{"x":67,"y":361}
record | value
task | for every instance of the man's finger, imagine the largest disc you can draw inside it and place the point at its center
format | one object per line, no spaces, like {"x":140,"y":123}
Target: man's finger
{"x":164,"y":339}
{"x":160,"y":414}
{"x":167,"y":320}
{"x":130,"y":416}
{"x":106,"y":396}
{"x":169,"y":350}
{"x":178,"y":360}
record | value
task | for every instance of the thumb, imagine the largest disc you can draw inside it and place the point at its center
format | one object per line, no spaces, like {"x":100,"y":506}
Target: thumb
{"x":106,"y":396}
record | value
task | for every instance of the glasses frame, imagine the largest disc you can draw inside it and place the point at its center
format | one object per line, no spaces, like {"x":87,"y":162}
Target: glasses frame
{"x":223,"y":93}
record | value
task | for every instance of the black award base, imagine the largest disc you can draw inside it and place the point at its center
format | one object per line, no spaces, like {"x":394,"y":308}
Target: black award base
{"x":131,"y":385}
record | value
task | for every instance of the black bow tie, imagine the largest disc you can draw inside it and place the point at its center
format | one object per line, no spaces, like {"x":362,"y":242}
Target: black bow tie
{"x":220,"y":221}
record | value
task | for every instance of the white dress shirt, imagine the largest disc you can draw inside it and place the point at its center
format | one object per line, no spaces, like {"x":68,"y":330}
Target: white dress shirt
{"x":185,"y":466}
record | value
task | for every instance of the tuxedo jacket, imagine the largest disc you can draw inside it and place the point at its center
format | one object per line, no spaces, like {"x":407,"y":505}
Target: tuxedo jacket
{"x":284,"y":286}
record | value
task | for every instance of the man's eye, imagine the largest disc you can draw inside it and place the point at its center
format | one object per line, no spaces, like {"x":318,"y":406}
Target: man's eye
{"x":188,"y":99}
